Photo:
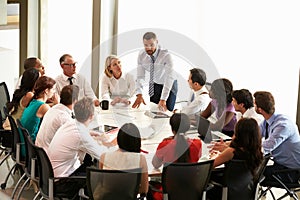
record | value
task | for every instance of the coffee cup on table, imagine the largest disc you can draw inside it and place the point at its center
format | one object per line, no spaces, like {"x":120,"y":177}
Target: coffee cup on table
{"x":104,"y":104}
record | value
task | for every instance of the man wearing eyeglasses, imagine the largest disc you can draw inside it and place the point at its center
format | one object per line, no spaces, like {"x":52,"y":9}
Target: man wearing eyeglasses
{"x":70,"y":77}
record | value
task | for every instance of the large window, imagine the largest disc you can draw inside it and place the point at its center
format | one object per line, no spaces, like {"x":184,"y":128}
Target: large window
{"x":254,"y":44}
{"x":67,"y":28}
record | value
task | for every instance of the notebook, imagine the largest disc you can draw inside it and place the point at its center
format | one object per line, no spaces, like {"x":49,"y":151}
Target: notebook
{"x":155,"y":115}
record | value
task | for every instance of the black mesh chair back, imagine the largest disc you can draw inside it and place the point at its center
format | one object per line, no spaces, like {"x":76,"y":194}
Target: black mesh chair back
{"x":186,"y":181}
{"x":113,"y":184}
{"x":15,"y":151}
{"x":30,"y":172}
{"x":16,"y":137}
{"x":45,"y":171}
{"x":238,"y":180}
{"x":30,"y":152}
{"x":6,"y":141}
{"x":4,"y":98}
{"x":259,"y":176}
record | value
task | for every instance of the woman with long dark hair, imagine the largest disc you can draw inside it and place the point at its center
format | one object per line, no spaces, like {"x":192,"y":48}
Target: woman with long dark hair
{"x":32,"y":115}
{"x":178,"y":148}
{"x":245,"y":145}
{"x":220,"y":105}
{"x":128,"y":155}
{"x":22,"y":96}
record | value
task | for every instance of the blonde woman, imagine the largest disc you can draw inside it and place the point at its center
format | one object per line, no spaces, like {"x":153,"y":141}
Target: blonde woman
{"x":116,"y":85}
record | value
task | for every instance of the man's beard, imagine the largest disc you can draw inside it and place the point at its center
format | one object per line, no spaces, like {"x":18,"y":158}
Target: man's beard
{"x":150,"y":52}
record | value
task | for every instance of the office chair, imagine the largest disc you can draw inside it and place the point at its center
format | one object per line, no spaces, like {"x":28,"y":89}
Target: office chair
{"x":47,"y":182}
{"x":15,"y":152}
{"x":113,"y":184}
{"x":291,"y":188}
{"x":259,"y":177}
{"x":4,"y":98}
{"x":237,"y":181}
{"x":5,"y":135}
{"x":30,"y":167}
{"x":186,"y":181}
{"x":6,"y":141}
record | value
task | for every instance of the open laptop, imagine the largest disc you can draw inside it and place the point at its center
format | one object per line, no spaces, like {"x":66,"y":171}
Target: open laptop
{"x":206,"y":134}
{"x":203,"y":129}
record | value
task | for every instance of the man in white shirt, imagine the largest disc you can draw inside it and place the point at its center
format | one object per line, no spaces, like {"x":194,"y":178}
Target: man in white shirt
{"x":200,"y":97}
{"x":57,"y":115}
{"x":70,"y":77}
{"x":70,"y":144}
{"x":242,"y":101}
{"x":32,"y":62}
{"x":163,"y":85}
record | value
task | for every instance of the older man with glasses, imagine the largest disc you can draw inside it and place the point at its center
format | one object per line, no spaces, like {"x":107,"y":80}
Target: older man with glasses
{"x":70,"y":77}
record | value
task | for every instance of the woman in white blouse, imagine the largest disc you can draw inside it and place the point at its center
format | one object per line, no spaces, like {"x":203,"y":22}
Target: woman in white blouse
{"x":115,"y":84}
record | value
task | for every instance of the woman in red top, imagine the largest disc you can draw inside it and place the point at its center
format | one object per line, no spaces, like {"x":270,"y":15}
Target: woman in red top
{"x":178,"y":148}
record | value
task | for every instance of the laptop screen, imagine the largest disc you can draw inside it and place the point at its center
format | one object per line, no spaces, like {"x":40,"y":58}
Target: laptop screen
{"x":203,"y":129}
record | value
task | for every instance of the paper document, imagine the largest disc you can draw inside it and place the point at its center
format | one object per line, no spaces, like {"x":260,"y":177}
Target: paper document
{"x":221,"y":135}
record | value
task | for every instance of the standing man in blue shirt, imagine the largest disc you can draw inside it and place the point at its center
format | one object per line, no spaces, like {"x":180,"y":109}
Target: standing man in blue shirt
{"x":281,"y":135}
{"x":162,"y":84}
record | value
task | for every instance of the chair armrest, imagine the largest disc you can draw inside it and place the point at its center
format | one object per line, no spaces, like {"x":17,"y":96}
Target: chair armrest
{"x":141,"y":197}
{"x":153,"y":188}
{"x":18,"y":152}
{"x":32,"y":172}
{"x":216,"y":183}
{"x":69,"y":177}
{"x":209,"y":186}
{"x":285,"y":171}
{"x":82,"y":195}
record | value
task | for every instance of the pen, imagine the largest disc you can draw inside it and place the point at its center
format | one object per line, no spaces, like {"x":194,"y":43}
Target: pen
{"x":125,"y":115}
{"x":143,"y":151}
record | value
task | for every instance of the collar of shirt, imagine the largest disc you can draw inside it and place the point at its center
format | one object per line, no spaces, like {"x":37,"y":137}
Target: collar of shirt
{"x":66,"y":77}
{"x":113,"y":78}
{"x":81,"y":127}
{"x":156,"y":52}
{"x":203,"y":89}
{"x":271,"y":119}
{"x":61,"y":106}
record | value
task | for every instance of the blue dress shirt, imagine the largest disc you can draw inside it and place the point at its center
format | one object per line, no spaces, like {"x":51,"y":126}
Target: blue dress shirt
{"x":283,"y":141}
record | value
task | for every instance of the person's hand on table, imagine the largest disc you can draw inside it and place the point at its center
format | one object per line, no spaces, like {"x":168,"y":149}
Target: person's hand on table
{"x":162,"y":106}
{"x":95,"y":133}
{"x":220,"y":146}
{"x":138,"y":101}
{"x":116,"y":100}
{"x":96,"y":102}
{"x":125,"y":101}
{"x":111,"y":143}
{"x":213,"y":154}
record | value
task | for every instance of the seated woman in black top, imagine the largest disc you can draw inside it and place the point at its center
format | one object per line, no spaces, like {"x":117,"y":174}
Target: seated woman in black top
{"x":245,"y":145}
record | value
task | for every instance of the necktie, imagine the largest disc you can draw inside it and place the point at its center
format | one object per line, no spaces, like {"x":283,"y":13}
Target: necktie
{"x":267,"y":131}
{"x":151,"y":81}
{"x":70,"y":80}
{"x":72,"y":115}
{"x":193,"y":97}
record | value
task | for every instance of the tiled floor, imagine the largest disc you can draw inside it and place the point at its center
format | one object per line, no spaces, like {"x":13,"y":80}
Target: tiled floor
{"x":29,"y":193}
{"x":13,"y":179}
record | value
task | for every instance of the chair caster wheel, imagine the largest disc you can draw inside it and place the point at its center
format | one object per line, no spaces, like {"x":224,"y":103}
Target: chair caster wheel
{"x":3,"y":186}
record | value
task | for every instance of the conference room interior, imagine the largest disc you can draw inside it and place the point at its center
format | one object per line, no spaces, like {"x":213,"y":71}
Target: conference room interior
{"x":250,"y":44}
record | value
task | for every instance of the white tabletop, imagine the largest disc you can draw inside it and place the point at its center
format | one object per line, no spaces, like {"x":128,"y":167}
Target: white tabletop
{"x":158,"y":128}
